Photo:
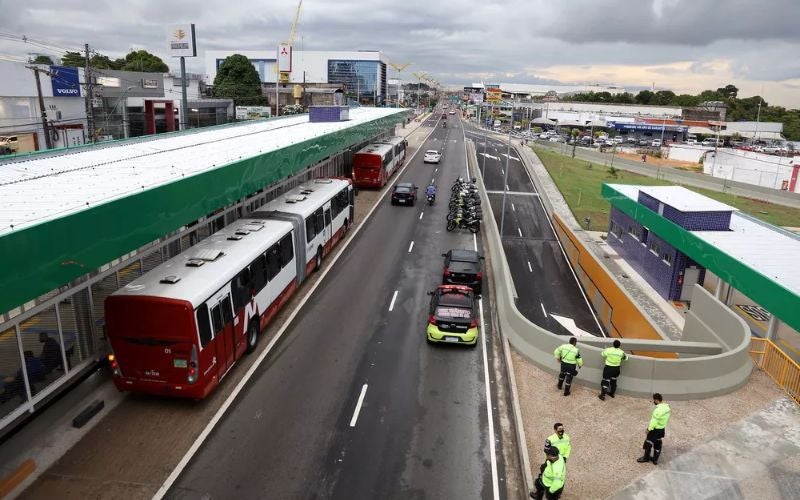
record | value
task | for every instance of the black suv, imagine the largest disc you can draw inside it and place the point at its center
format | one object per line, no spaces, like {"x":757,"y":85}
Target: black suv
{"x":404,"y":193}
{"x":463,"y":267}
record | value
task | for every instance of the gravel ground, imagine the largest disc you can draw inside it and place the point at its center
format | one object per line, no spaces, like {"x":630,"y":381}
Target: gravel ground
{"x":607,"y":436}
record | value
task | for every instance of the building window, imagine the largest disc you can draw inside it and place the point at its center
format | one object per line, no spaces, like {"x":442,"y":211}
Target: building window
{"x":616,"y":230}
{"x":667,"y":258}
{"x":655,"y":248}
{"x":365,"y":81}
{"x":645,"y":234}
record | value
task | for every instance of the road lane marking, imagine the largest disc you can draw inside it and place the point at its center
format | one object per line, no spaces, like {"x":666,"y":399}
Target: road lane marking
{"x":520,"y":232}
{"x":512,"y":208}
{"x":570,"y":325}
{"x":358,"y":406}
{"x":421,"y":214}
{"x":433,"y":180}
{"x":503,"y":172}
{"x":410,"y":246}
{"x":530,"y":269}
{"x":198,"y":442}
{"x":507,"y":189}
{"x":394,"y":297}
{"x":436,"y":170}
{"x":543,"y":309}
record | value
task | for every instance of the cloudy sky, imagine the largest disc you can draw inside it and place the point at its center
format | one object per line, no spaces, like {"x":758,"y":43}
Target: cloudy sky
{"x":682,"y":45}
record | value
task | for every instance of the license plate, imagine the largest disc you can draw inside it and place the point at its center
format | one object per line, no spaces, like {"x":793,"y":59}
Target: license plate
{"x":179,"y":363}
{"x":451,"y":339}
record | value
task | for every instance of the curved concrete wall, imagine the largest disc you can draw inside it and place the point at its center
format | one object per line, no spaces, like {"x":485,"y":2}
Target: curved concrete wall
{"x":710,"y":326}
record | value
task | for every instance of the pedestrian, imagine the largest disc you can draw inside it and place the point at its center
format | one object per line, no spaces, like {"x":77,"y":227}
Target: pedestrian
{"x":560,"y":440}
{"x":570,"y":358}
{"x":655,"y":430}
{"x":550,"y":483}
{"x":614,"y":356}
{"x":644,"y":158}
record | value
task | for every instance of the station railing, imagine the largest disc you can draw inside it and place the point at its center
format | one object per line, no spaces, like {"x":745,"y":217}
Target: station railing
{"x":778,"y":365}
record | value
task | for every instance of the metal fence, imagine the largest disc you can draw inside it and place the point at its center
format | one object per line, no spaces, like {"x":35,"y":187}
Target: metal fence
{"x":775,"y":363}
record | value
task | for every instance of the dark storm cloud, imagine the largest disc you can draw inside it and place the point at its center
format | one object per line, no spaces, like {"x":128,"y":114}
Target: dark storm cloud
{"x":675,"y":22}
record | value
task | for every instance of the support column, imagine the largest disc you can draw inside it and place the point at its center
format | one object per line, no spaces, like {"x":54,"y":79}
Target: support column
{"x":720,"y":287}
{"x":772,"y":329}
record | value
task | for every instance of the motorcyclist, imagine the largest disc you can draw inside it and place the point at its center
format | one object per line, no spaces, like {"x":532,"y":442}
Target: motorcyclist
{"x":431,"y":191}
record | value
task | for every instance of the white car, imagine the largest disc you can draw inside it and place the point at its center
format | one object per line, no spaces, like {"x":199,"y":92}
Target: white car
{"x":656,"y":143}
{"x":432,"y":156}
{"x":452,"y":112}
{"x":556,"y":139}
{"x":691,"y":141}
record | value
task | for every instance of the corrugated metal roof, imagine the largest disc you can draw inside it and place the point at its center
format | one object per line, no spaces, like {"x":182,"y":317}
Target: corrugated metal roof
{"x":44,"y":187}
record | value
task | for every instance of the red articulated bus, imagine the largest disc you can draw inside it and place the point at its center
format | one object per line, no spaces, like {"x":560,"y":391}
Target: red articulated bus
{"x":178,"y":329}
{"x":375,"y":163}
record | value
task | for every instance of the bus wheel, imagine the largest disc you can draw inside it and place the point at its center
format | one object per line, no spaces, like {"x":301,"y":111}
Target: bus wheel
{"x":318,"y":260}
{"x":252,"y":336}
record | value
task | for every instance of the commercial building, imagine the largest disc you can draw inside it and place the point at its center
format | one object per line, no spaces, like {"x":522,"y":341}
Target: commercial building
{"x":362,"y":73}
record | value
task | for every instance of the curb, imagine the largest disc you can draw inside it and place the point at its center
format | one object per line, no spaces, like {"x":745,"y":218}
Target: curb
{"x":10,"y":482}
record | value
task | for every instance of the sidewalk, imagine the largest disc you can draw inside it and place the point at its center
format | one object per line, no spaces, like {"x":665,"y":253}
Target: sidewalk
{"x":742,"y":445}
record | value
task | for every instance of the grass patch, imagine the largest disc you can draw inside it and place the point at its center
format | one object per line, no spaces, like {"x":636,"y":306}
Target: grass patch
{"x":579,"y":182}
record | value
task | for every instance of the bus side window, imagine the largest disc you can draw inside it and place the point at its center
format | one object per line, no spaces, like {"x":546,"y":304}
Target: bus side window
{"x":241,"y":288}
{"x":287,"y":248}
{"x":216,"y":319}
{"x":273,"y":262}
{"x":227,"y":312}
{"x":310,"y":231}
{"x":203,"y":325}
{"x":258,"y":272}
{"x":320,"y":220}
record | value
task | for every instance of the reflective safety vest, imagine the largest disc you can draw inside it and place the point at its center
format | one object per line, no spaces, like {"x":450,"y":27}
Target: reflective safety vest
{"x":614,"y":356}
{"x":554,"y":474}
{"x":568,"y":353}
{"x":661,"y":414}
{"x":562,"y":443}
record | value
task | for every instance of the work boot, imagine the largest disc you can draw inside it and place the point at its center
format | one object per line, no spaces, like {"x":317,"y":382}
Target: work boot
{"x":601,"y":396}
{"x":611,"y":394}
{"x":644,"y":458}
{"x":656,"y":453}
{"x":560,"y":385}
{"x":566,"y":391}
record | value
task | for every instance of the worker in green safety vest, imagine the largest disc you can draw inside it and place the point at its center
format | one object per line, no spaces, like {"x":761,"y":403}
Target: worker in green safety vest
{"x":550,"y":483}
{"x":613,"y":356}
{"x":570,"y":358}
{"x":560,"y":440}
{"x":655,"y":430}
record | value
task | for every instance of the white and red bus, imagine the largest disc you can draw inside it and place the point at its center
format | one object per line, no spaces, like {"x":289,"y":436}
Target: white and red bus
{"x":178,"y":329}
{"x":375,"y":163}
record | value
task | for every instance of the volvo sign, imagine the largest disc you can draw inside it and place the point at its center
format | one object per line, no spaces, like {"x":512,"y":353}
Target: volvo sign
{"x":65,"y":81}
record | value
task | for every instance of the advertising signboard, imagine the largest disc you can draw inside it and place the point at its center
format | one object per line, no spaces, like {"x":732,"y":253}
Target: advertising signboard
{"x":252,"y":112}
{"x":180,"y":40}
{"x":285,"y":58}
{"x":65,"y":81}
{"x":494,"y":95}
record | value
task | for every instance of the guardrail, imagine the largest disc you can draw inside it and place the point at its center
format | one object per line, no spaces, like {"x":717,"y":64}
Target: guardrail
{"x":713,"y":354}
{"x":770,"y":359}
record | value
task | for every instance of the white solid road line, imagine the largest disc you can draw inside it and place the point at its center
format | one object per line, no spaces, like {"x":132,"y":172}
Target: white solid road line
{"x":421,"y":214}
{"x":394,"y":297}
{"x":358,"y":406}
{"x":184,"y":461}
{"x":543,"y":309}
{"x":520,"y":232}
{"x":512,"y":208}
{"x":410,"y":246}
{"x":530,"y":269}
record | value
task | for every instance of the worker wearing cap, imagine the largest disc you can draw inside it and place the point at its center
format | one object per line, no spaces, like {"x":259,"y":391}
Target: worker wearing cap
{"x":550,"y":483}
{"x":613,"y":356}
{"x":655,"y":430}
{"x":570,"y":358}
{"x":560,"y":440}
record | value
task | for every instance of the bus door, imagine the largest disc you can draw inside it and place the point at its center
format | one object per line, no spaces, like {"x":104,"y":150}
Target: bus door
{"x":222,"y":321}
{"x":328,"y":232}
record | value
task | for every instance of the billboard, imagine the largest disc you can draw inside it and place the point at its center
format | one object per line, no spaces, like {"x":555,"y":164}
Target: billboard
{"x":180,"y":40}
{"x":285,"y":58}
{"x":476,"y":97}
{"x":494,"y":95}
{"x":65,"y":81}
{"x":253,"y":112}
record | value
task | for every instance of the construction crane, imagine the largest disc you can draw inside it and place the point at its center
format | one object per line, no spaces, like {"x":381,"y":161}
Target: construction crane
{"x":284,"y":75}
{"x":399,"y":68}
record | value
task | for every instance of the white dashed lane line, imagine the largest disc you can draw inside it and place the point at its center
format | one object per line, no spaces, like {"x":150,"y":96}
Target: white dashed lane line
{"x":394,"y":297}
{"x":358,"y":406}
{"x":411,"y":246}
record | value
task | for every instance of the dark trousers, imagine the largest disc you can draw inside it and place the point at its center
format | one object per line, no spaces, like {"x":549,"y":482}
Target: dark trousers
{"x":541,"y":492}
{"x":653,"y":441}
{"x":568,"y":370}
{"x":609,"y":383}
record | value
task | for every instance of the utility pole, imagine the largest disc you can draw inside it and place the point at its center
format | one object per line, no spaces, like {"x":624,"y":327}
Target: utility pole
{"x":89,"y":97}
{"x":45,"y":128}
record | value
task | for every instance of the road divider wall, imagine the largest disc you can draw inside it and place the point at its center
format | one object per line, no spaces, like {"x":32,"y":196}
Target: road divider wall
{"x":712,"y":359}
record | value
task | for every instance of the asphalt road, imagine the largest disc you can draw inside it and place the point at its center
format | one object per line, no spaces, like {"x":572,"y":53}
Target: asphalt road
{"x":422,"y":430}
{"x":546,"y":287}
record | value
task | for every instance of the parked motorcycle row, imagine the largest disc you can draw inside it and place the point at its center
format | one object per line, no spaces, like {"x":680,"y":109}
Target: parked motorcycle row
{"x":465,"y":206}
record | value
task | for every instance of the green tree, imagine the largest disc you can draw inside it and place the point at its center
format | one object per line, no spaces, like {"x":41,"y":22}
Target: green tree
{"x":663,"y":97}
{"x":729,"y":91}
{"x":237,"y":79}
{"x":42,"y":59}
{"x":100,"y":61}
{"x":644,"y":97}
{"x":73,"y":59}
{"x":141,"y":60}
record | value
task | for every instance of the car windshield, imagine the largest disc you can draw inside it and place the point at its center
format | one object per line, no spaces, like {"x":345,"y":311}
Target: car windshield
{"x":432,"y":152}
{"x":463,"y":256}
{"x":402,"y":189}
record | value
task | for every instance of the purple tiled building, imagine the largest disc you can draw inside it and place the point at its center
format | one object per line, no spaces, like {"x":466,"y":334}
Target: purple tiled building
{"x":670,"y":272}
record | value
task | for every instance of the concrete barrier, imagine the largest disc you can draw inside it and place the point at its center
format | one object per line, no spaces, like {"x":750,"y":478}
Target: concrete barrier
{"x":711,"y":359}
